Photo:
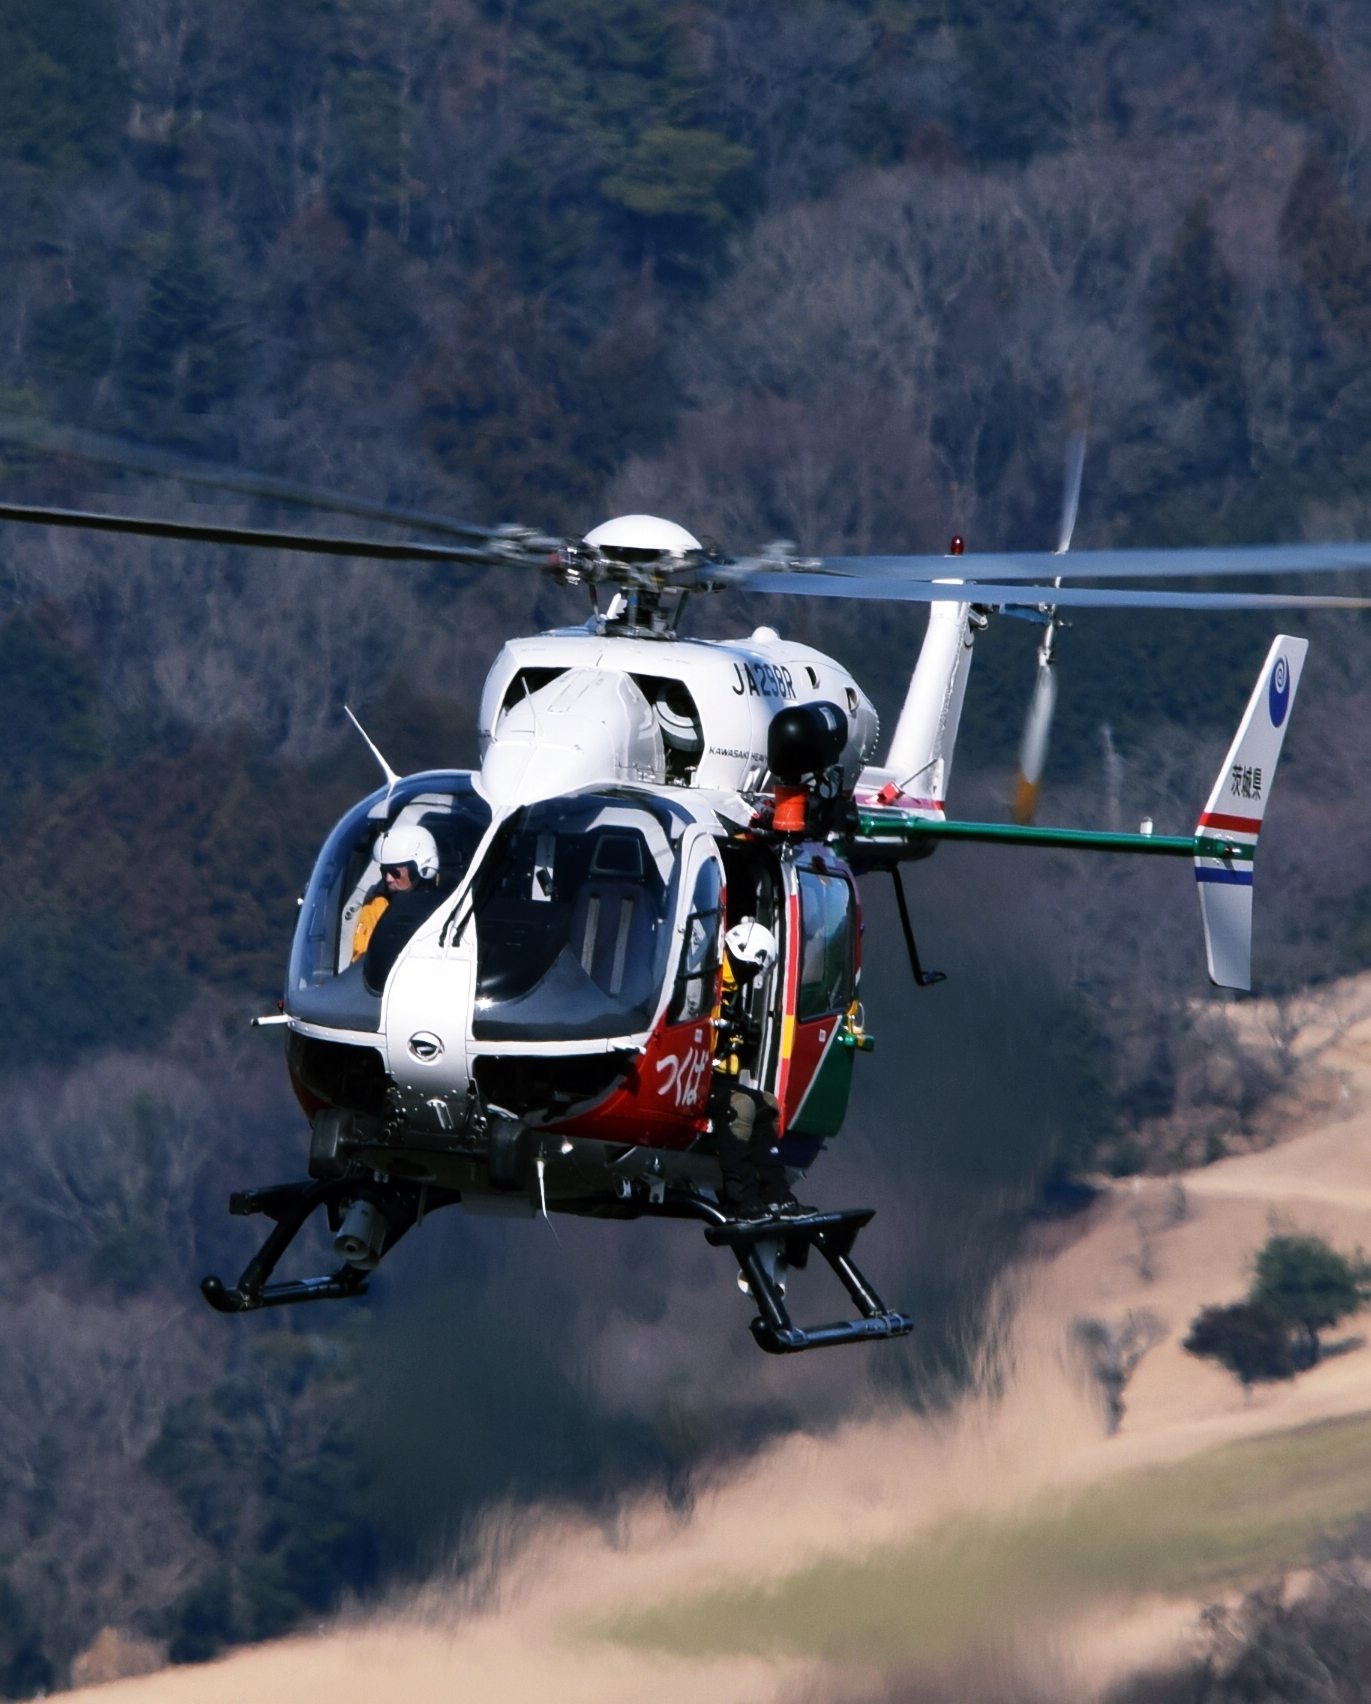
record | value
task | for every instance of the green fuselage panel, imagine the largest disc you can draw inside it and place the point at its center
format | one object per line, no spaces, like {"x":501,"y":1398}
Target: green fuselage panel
{"x":825,"y":1106}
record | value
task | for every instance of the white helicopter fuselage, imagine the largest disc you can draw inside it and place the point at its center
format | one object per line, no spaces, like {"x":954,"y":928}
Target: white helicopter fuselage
{"x":563,"y":713}
{"x":713,"y":724}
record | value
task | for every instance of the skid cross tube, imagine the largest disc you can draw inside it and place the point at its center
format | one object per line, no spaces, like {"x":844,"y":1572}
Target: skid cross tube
{"x":833,"y":1234}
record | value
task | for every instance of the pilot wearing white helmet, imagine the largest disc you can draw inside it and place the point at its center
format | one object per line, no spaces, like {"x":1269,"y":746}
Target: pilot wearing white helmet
{"x":746,"y":1118}
{"x":408,"y":856}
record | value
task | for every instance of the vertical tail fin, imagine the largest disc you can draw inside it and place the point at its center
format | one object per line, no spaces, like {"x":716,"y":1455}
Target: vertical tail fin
{"x":1226,"y":834}
{"x":919,"y":765}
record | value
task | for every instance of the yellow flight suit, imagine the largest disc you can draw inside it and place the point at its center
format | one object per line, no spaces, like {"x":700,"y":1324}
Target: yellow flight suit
{"x":746,"y":1122}
{"x":367,"y":919}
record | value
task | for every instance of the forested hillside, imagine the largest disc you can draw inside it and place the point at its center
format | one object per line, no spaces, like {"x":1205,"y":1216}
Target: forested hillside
{"x":846,"y":272}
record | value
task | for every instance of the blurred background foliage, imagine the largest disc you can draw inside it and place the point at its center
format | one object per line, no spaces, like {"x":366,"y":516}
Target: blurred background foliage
{"x":846,"y":272}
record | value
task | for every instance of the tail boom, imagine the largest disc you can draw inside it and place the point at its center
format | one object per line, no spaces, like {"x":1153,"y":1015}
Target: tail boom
{"x":890,"y":826}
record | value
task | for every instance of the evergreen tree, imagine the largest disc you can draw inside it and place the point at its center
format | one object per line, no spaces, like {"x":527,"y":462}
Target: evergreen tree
{"x":1310,"y":1285}
{"x":1295,"y":74}
{"x":62,"y":94}
{"x":1333,"y":248}
{"x":1300,"y":1285}
{"x":1195,"y":311}
{"x":187,"y":351}
{"x":1195,"y":342}
{"x":1013,"y":101}
{"x":72,"y":339}
{"x":368,"y":163}
{"x":622,"y":147}
{"x":48,"y":708}
{"x":1249,"y":1338}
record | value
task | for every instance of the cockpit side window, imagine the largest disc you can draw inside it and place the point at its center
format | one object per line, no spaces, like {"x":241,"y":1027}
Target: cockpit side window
{"x":828,"y":963}
{"x":697,"y":974}
{"x":573,"y":921}
{"x":324,"y":983}
{"x":456,"y":822}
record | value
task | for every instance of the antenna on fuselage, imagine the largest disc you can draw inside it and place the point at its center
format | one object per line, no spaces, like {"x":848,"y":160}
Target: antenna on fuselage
{"x":386,"y":770}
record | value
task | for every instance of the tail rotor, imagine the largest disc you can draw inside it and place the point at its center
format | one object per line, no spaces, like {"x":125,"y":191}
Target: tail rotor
{"x":1038,"y":726}
{"x":1071,"y":489}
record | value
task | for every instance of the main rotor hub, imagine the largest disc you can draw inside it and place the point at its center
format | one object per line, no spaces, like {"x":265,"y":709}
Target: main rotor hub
{"x":644,"y":558}
{"x":647,"y":535}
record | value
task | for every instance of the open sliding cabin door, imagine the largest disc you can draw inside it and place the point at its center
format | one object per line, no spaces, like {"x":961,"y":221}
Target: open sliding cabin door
{"x":822,"y":973}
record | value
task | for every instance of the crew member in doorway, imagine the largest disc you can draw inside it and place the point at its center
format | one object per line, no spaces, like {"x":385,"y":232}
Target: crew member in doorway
{"x":746,"y":1118}
{"x":408,"y":856}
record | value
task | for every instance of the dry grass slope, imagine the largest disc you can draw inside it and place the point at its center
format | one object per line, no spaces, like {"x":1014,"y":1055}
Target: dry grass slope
{"x":1015,"y":1530}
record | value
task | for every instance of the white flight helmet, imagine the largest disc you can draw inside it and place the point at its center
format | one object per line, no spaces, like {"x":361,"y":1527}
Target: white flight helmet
{"x":751,"y":946}
{"x":407,"y":843}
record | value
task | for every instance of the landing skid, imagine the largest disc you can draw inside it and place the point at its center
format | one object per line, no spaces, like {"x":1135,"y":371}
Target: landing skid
{"x":832,"y":1234}
{"x":290,"y":1205}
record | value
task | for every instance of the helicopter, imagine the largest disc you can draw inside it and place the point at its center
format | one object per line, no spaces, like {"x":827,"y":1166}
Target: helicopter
{"x":541,"y":1034}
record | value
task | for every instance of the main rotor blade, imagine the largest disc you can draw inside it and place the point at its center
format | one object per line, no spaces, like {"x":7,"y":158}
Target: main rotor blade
{"x":1077,"y":597}
{"x":1100,"y":564}
{"x":513,"y":549}
{"x":139,"y":458}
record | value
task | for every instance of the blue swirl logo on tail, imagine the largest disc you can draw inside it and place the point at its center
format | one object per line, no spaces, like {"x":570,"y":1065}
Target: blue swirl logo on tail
{"x":1278,"y":698}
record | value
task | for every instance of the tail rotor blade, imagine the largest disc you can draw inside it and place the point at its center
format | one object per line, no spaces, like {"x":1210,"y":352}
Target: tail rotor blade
{"x":1071,"y":489}
{"x":1033,"y":748}
{"x":1038,"y":728}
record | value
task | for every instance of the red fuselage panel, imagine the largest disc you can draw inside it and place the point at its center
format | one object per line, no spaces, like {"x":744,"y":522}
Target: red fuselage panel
{"x":662,"y":1103}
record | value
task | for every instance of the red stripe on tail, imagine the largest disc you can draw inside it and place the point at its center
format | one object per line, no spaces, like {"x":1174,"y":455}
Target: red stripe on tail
{"x":1235,"y":824}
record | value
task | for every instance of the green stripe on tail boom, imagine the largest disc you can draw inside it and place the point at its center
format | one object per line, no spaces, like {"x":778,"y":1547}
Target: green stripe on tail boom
{"x":885,"y":831}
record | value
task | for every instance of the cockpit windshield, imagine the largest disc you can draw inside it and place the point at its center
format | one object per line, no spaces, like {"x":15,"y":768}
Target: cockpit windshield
{"x":344,"y":944}
{"x":573,"y":907}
